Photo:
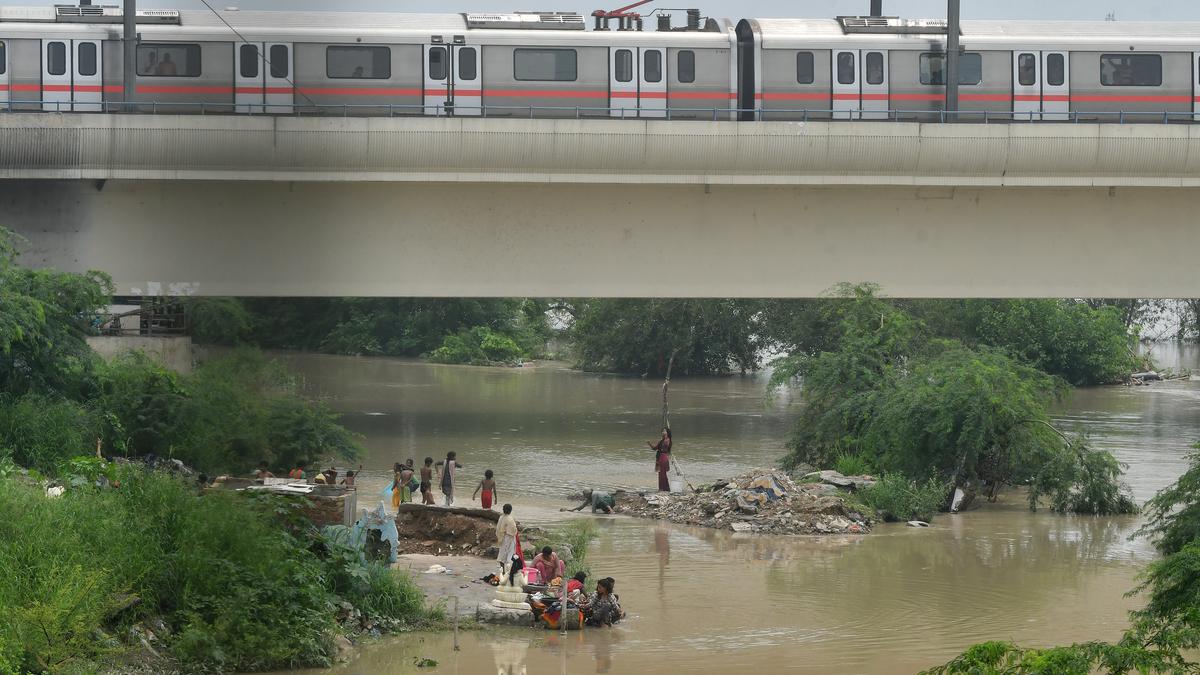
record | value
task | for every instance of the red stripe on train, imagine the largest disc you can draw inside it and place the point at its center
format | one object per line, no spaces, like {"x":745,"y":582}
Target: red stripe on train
{"x":792,"y":96}
{"x":263,"y":90}
{"x":547,"y":93}
{"x":181,"y":89}
{"x":1131,"y":99}
{"x":359,"y":91}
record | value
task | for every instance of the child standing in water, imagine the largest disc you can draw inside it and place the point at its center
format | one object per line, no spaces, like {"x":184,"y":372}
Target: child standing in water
{"x":427,"y":482}
{"x":488,"y":487}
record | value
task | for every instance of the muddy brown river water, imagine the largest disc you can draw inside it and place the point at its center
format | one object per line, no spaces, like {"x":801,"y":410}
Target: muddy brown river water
{"x":702,"y":601}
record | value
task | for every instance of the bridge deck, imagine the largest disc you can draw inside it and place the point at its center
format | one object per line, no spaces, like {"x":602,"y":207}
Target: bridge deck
{"x":232,"y":147}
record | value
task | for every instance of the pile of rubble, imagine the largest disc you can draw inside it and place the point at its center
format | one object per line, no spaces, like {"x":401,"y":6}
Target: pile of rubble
{"x":764,"y":501}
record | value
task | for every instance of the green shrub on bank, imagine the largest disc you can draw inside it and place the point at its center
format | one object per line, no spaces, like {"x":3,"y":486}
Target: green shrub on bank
{"x":897,"y":498}
{"x":239,"y":591}
{"x":39,"y":431}
{"x":851,"y":465}
{"x":576,"y":535}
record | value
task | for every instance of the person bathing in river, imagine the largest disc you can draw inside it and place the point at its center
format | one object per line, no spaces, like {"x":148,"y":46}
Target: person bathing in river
{"x":348,"y":481}
{"x":404,"y":482}
{"x":598,"y":500}
{"x":662,"y":459}
{"x":263,"y":471}
{"x":602,"y":607}
{"x":488,"y":487}
{"x":427,"y":482}
{"x":446,"y":475}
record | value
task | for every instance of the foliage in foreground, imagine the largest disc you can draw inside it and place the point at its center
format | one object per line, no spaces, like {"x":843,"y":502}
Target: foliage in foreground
{"x":908,"y":403}
{"x":239,"y":591}
{"x":1162,"y":636}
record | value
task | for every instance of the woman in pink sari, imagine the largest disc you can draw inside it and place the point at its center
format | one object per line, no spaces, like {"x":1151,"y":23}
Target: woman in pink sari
{"x":662,"y":459}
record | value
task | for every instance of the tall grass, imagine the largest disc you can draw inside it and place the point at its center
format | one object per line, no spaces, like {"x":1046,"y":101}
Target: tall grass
{"x":576,"y":534}
{"x":898,"y":498}
{"x":240,"y":592}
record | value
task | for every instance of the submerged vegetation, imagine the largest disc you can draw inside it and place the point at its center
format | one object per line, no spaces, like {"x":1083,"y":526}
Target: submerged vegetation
{"x":891,"y":393}
{"x":1163,"y":636}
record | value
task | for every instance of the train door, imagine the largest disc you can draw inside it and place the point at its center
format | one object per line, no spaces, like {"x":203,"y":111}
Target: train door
{"x":437,"y":79}
{"x":1195,"y":86}
{"x":466,"y":88}
{"x":1056,"y":86}
{"x":4,"y":99}
{"x":652,"y":83}
{"x":88,"y":88}
{"x":279,"y":96}
{"x":874,"y":75}
{"x":847,"y":94}
{"x":56,"y":75}
{"x":248,"y":83}
{"x":1027,"y":86}
{"x":622,"y":85}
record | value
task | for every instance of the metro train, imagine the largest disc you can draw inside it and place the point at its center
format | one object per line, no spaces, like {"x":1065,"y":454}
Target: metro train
{"x":547,"y":64}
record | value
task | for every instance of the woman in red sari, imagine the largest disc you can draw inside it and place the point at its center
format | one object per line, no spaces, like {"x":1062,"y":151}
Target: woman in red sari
{"x":662,"y":459}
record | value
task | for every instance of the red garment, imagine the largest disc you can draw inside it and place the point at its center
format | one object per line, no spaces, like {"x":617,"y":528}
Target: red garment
{"x":664,"y":465}
{"x":485,"y":498}
{"x":574,"y":585}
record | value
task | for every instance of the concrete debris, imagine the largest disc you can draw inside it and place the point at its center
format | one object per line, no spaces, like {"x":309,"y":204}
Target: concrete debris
{"x":762,"y":501}
{"x":844,"y":482}
{"x":917,"y":523}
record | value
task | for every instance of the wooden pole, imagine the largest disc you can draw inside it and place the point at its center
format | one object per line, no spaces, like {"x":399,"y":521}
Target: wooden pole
{"x":456,"y":647}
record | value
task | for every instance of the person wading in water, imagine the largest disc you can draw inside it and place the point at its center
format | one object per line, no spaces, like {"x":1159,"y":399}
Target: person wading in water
{"x":662,"y":459}
{"x":447,"y":475}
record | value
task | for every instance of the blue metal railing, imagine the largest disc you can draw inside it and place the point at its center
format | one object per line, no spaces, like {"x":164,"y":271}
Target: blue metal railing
{"x":595,"y":112}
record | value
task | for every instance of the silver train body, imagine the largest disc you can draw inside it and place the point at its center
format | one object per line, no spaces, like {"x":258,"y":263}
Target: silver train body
{"x":547,"y":65}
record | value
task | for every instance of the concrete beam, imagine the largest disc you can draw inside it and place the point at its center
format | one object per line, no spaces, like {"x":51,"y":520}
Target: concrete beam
{"x":640,"y":152}
{"x":489,"y":239}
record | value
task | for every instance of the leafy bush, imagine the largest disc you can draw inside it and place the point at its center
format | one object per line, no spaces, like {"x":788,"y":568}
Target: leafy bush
{"x":239,"y":590}
{"x":897,"y":498}
{"x":1173,"y":515}
{"x":576,"y":535}
{"x":478,"y":346}
{"x":39,"y":431}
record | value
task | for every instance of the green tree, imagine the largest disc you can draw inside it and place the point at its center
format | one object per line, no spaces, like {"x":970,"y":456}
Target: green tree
{"x":44,"y":319}
{"x":928,"y":407}
{"x":639,"y":336}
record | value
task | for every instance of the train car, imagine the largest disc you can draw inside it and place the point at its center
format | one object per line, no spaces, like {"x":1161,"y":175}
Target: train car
{"x":540,"y":64}
{"x":885,"y":67}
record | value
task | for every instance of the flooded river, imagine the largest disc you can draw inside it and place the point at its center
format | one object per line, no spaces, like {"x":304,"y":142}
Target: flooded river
{"x":703,"y":601}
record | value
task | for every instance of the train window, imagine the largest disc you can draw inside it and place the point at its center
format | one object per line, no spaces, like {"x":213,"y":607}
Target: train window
{"x":1056,"y":70}
{"x":874,"y":66}
{"x":1027,"y":69}
{"x":933,"y":69}
{"x":86,"y":63}
{"x":3,"y":59}
{"x":248,"y":54}
{"x":623,"y":64}
{"x":549,"y":65}
{"x":56,"y":58}
{"x":845,"y":68}
{"x":168,"y":60}
{"x":805,"y":71}
{"x":280,"y":63}
{"x":468,"y":67}
{"x":653,"y":65}
{"x":358,"y":63}
{"x":437,"y":63}
{"x":685,"y":67}
{"x":1130,"y":70}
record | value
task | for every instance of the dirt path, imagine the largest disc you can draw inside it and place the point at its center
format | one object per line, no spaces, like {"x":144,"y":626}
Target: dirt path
{"x":461,"y":580}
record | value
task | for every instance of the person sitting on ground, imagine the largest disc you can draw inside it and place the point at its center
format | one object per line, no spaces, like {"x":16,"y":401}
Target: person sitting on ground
{"x":598,"y":500}
{"x":348,"y":481}
{"x":488,"y":487}
{"x":603,"y":607}
{"x":548,"y":565}
{"x":263,"y":471}
{"x":575,"y":585}
{"x":298,"y":472}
